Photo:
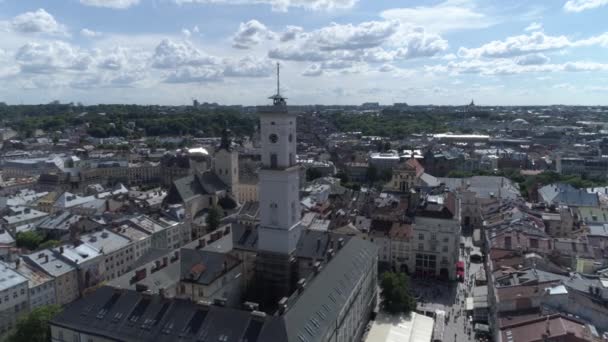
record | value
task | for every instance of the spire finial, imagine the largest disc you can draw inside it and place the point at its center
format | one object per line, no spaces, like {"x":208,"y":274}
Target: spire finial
{"x":278,"y":79}
{"x":277,"y":99}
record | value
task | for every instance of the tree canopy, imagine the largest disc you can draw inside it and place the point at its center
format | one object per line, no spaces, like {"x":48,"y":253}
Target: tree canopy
{"x":395,"y":293}
{"x":213,"y":219}
{"x":34,"y":327}
{"x":114,"y":120}
{"x":312,"y":174}
{"x":29,"y":239}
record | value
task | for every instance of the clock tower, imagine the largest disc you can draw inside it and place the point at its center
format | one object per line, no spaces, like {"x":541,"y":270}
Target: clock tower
{"x":279,"y":192}
{"x":276,"y":267}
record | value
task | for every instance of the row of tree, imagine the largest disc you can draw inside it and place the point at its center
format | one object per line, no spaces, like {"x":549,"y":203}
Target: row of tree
{"x":112,"y":120}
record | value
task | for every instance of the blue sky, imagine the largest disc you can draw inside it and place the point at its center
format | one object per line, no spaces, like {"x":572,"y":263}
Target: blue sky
{"x":331,"y":51}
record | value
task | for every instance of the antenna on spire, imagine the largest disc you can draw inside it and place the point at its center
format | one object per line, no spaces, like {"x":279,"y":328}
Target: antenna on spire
{"x":277,"y":99}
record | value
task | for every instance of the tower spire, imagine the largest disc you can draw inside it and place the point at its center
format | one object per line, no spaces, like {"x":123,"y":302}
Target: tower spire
{"x":277,"y":99}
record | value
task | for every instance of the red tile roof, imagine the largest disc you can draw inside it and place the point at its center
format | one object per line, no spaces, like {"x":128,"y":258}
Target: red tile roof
{"x":414,"y":164}
{"x":548,"y":328}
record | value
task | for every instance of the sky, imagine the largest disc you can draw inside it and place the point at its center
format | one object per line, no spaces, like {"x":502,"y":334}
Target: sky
{"x":170,"y":52}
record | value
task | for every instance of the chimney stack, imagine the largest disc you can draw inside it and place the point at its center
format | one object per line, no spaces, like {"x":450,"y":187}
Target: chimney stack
{"x":283,"y":305}
{"x":301,"y":285}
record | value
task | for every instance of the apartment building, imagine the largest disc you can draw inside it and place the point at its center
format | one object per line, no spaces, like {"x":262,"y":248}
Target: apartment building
{"x":63,"y":272}
{"x":14,"y":297}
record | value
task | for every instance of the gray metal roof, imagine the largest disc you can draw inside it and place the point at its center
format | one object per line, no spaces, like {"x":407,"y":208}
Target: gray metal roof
{"x":316,"y":311}
{"x":204,"y":267}
{"x":9,"y":278}
{"x":55,"y":266}
{"x":132,"y":316}
{"x":188,"y":187}
{"x":567,"y":194}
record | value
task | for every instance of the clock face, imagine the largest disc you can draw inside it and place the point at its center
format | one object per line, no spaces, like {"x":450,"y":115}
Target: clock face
{"x":273,"y":138}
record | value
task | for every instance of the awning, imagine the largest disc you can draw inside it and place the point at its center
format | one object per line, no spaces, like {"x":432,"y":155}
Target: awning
{"x":482,"y":327}
{"x":469,"y":304}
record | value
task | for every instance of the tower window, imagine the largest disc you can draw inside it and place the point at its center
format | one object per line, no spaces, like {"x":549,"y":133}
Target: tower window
{"x":290,"y":137}
{"x":272,"y":123}
{"x":273,"y":160}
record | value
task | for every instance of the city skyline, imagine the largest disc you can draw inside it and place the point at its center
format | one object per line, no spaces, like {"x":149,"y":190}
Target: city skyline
{"x":331,"y":51}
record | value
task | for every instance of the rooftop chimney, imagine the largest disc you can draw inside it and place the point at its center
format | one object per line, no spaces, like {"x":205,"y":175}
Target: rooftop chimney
{"x":318,"y":244}
{"x":251,"y":306}
{"x":317,"y":267}
{"x":301,"y":285}
{"x":283,"y":305}
{"x":220,"y":302}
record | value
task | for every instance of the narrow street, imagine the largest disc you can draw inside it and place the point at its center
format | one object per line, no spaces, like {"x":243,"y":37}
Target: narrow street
{"x":434,"y":296}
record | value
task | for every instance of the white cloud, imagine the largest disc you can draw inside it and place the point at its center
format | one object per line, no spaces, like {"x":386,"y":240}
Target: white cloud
{"x":173,"y":54}
{"x":372,"y":42}
{"x":506,"y":66}
{"x":250,"y":34}
{"x":351,"y":37}
{"x":51,"y":57}
{"x":295,"y":53}
{"x":248,"y":67}
{"x":530,"y":43}
{"x":517,"y":45}
{"x":125,"y":59}
{"x":418,"y":43}
{"x":449,"y":57}
{"x":291,"y":33}
{"x":533,"y":59}
{"x":450,"y":15}
{"x":7,"y":68}
{"x":115,"y":4}
{"x":387,"y":68}
{"x":313,"y":70}
{"x":585,"y":66}
{"x":601,"y":40}
{"x":282,"y":5}
{"x":534,"y":27}
{"x":89,"y":33}
{"x":186,"y":32}
{"x":583,"y":5}
{"x":39,"y":21}
{"x":194,"y":75}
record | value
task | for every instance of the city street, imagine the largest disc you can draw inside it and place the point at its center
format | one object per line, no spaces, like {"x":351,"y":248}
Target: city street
{"x":433,"y":295}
